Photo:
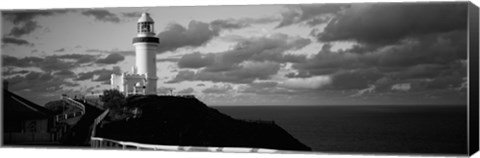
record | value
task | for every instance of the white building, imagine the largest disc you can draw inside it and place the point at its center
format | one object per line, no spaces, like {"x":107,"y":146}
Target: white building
{"x":143,"y":78}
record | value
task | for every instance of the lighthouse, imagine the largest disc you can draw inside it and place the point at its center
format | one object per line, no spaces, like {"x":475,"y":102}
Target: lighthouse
{"x":143,"y":78}
{"x":145,"y":52}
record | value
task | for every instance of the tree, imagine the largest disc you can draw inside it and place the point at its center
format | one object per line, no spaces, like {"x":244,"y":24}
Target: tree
{"x":112,"y":99}
{"x":115,"y":101}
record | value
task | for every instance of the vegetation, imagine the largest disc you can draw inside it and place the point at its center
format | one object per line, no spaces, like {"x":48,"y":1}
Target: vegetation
{"x":116,"y":102}
{"x":186,"y":121}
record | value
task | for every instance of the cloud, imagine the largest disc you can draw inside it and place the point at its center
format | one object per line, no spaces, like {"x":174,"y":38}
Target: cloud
{"x":186,"y":91}
{"x":19,"y":16}
{"x":59,"y":50}
{"x":355,"y":79}
{"x":262,"y":20}
{"x":196,"y":34}
{"x":196,"y":60}
{"x":132,"y":14}
{"x":227,"y":24}
{"x":246,"y":72}
{"x":218,"y":89}
{"x":252,"y":59}
{"x":174,"y":60}
{"x":389,"y":22}
{"x":50,"y":63}
{"x":111,"y":59}
{"x":38,"y":84}
{"x":424,"y":57}
{"x":369,"y":90}
{"x":314,"y":82}
{"x":9,"y":72}
{"x":102,"y":15}
{"x":266,"y":48}
{"x":25,"y":20}
{"x":15,"y":41}
{"x":64,"y":73}
{"x":26,"y":28}
{"x":401,"y":87}
{"x":100,"y":75}
{"x":311,"y":14}
{"x":122,"y":52}
{"x":165,"y":90}
{"x":260,"y":88}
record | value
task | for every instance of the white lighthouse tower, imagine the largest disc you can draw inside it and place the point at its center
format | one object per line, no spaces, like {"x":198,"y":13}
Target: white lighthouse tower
{"x":145,"y":52}
{"x":143,"y":79}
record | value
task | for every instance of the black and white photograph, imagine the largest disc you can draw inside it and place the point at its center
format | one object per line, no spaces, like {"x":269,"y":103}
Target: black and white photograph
{"x":357,"y":78}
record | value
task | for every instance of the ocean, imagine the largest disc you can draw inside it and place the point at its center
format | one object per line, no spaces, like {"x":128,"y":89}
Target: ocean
{"x":422,"y":129}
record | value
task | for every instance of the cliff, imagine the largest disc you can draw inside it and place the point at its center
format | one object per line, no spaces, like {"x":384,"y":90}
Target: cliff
{"x":186,"y":121}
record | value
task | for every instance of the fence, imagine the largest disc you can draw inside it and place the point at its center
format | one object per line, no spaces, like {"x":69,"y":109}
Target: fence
{"x":98,"y":142}
{"x":63,"y":117}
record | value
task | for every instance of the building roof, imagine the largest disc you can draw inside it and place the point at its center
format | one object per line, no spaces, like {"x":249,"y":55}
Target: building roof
{"x":16,"y":107}
{"x":145,"y":18}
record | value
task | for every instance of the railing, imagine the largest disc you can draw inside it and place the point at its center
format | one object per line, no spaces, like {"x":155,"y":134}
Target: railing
{"x":98,"y":142}
{"x":74,"y":103}
{"x":63,"y":117}
{"x":98,"y":120}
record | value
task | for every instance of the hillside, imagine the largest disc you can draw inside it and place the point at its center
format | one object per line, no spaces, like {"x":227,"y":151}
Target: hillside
{"x":171,"y":120}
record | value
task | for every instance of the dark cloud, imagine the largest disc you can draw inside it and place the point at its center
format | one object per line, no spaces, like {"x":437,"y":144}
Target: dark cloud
{"x":50,"y":63}
{"x":100,"y":75}
{"x":252,"y":59}
{"x":15,"y":41}
{"x":389,"y":22}
{"x":19,"y":16}
{"x":199,"y":33}
{"x":22,"y":62}
{"x":24,"y":20}
{"x":27,"y":28}
{"x":196,"y":34}
{"x":259,"y":49}
{"x":102,"y":15}
{"x":312,"y":14}
{"x":39,"y":87}
{"x":64,"y":73}
{"x":111,"y":59}
{"x":436,"y":49}
{"x":175,"y":60}
{"x":38,"y":82}
{"x":195,"y":60}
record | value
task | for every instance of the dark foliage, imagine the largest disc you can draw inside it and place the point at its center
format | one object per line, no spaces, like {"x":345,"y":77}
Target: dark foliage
{"x":171,"y":120}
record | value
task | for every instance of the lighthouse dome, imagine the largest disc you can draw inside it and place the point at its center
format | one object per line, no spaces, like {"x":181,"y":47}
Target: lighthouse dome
{"x":145,"y":18}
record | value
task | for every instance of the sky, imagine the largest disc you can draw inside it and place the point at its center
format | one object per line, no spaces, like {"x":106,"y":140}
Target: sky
{"x":298,"y":54}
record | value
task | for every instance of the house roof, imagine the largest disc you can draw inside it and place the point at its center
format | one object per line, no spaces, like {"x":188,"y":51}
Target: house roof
{"x":17,"y":107}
